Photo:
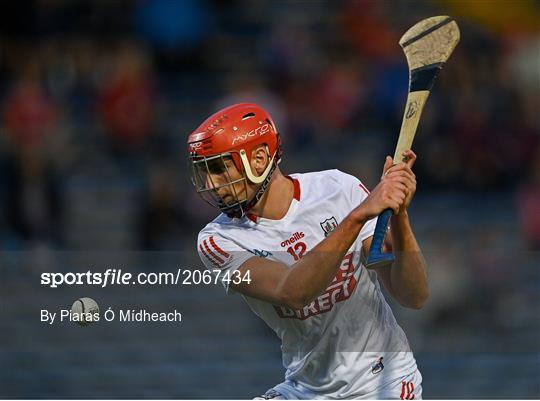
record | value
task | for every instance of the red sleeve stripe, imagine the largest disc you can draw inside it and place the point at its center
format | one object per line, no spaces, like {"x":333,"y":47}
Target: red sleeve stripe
{"x":364,"y":188}
{"x":216,"y":257}
{"x":207,"y":256}
{"x":217,"y":248}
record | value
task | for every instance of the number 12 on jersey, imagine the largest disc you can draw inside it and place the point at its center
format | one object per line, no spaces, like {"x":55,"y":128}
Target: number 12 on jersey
{"x":297,"y":250}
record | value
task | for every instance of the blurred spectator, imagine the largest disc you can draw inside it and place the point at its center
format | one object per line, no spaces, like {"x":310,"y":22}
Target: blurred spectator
{"x":249,"y":88}
{"x":340,"y":93}
{"x":34,"y":205}
{"x":366,"y":26}
{"x":290,"y":52}
{"x":28,"y":111}
{"x":126,"y":99}
{"x":162,"y":220}
{"x":529,"y":205}
{"x":33,"y":195}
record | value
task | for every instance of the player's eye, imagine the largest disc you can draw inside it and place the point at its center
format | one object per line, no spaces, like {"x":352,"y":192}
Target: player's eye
{"x":216,"y":166}
{"x":219,"y":165}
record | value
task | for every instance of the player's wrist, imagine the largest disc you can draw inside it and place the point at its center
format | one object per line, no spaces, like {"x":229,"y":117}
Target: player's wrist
{"x":360,"y":216}
{"x":402,"y":213}
{"x":401,"y":218}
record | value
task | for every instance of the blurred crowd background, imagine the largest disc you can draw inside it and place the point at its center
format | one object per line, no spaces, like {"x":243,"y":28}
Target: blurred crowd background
{"x":97,"y":99}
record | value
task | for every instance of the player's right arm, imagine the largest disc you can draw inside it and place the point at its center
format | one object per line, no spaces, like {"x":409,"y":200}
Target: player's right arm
{"x":296,"y":286}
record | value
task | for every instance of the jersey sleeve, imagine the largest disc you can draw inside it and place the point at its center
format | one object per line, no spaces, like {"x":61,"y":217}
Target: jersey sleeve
{"x":358,"y":193}
{"x":221,"y":256}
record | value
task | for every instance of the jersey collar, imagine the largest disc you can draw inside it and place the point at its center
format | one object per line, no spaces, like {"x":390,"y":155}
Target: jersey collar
{"x":296,"y":196}
{"x":296,"y":184}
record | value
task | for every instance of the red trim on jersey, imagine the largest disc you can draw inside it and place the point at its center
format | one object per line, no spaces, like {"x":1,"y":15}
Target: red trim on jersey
{"x":217,"y":248}
{"x":296,"y":187}
{"x":296,"y":193}
{"x":364,"y":188}
{"x":216,"y":257}
{"x":207,"y":256}
{"x":403,"y":386}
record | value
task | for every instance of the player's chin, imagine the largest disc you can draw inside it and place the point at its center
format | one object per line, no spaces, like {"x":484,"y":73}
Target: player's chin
{"x":228,"y":200}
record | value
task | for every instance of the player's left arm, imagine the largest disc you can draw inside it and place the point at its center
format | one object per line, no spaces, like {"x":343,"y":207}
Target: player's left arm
{"x":406,"y":278}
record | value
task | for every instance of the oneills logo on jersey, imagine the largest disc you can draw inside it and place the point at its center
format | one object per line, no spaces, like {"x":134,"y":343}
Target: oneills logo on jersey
{"x":329,"y":225}
{"x":339,"y":290}
{"x":295,"y":237}
{"x":211,"y":251}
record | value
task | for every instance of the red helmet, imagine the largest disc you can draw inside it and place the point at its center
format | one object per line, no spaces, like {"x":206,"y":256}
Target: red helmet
{"x":233,"y":132}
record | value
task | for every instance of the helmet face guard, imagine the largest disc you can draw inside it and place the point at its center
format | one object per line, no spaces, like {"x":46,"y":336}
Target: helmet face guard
{"x":236,"y":204}
{"x":204,"y":168}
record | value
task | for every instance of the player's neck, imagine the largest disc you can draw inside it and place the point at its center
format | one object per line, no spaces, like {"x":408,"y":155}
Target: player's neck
{"x":277,"y":199}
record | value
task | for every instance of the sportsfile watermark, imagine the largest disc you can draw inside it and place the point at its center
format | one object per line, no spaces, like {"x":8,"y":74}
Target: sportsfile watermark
{"x":152,"y":285}
{"x":113,"y":277}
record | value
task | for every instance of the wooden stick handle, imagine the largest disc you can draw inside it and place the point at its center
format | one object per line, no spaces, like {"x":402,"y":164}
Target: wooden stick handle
{"x":411,"y":117}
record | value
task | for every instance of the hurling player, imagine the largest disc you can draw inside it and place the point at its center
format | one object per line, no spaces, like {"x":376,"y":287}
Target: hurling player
{"x":294,"y":246}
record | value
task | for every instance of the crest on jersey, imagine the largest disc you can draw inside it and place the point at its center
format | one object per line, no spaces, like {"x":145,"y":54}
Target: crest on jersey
{"x":329,"y":225}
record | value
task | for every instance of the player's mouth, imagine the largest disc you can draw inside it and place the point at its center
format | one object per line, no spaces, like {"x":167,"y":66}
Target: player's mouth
{"x":228,"y":199}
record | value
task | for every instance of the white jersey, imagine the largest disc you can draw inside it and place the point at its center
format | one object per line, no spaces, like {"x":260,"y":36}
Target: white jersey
{"x":346,"y":343}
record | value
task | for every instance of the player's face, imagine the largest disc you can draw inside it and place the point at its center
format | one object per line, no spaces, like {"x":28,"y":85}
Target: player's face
{"x":224,"y":178}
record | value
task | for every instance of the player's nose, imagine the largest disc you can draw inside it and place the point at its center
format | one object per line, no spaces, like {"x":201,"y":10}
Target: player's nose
{"x":215,"y":182}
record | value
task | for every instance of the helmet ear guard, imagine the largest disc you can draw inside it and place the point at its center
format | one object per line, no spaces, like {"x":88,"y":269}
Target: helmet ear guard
{"x":247,"y":168}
